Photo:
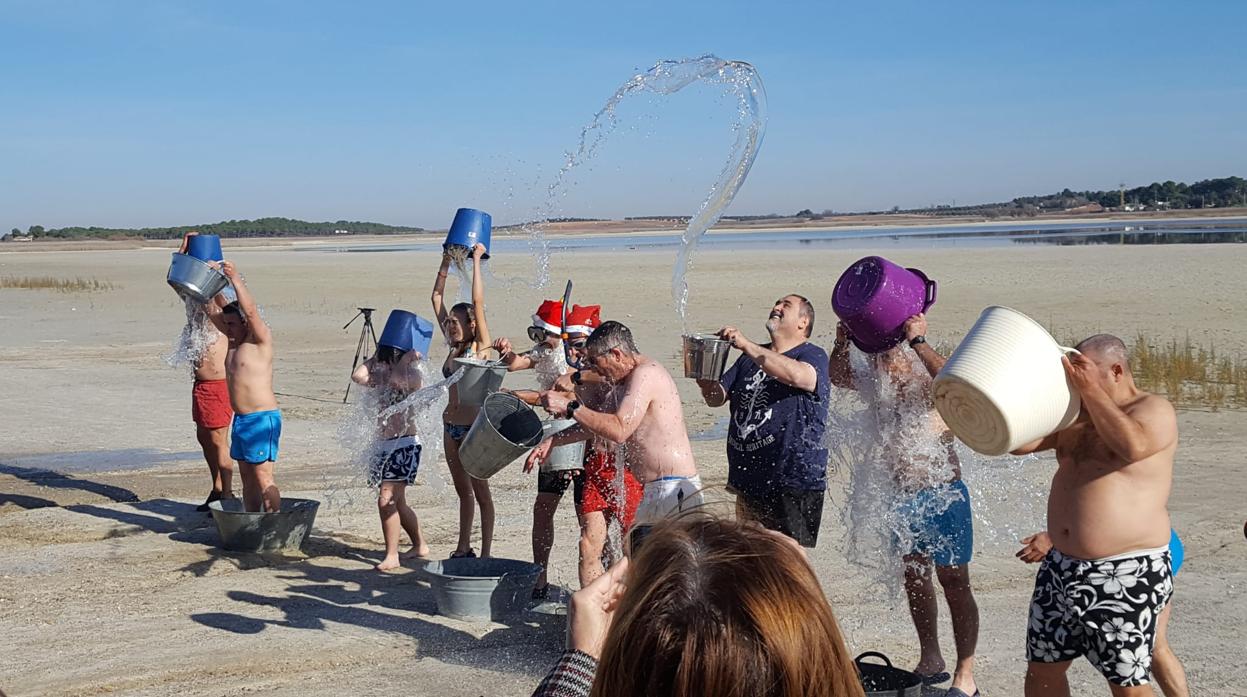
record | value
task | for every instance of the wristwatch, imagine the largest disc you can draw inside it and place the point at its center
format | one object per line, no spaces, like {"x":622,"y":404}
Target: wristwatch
{"x":913,"y":343}
{"x":572,"y":406}
{"x":577,"y":379}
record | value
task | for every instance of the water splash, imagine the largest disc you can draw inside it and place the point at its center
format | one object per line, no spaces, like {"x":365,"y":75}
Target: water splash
{"x":889,"y":424}
{"x":741,"y":84}
{"x":197,"y":336}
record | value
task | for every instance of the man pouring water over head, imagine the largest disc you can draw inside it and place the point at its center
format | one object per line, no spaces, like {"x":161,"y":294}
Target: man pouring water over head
{"x":643,"y":413}
{"x":777,"y":462}
{"x":1100,"y":589}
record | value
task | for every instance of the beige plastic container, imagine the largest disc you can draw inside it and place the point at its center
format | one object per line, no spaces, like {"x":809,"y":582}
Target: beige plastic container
{"x":1005,"y":386}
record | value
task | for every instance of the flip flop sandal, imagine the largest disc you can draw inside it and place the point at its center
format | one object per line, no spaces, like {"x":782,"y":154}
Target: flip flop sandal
{"x":958,"y":692}
{"x":470,"y":554}
{"x":542,"y":593}
{"x":936,"y":678}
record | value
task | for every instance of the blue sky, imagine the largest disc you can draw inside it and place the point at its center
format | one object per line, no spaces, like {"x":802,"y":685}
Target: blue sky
{"x":134,"y":113}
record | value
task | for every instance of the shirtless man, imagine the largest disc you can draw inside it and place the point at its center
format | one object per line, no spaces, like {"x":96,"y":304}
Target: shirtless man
{"x":934,"y":502}
{"x":1100,"y":590}
{"x":211,"y":411}
{"x":249,"y":374}
{"x":647,"y":419}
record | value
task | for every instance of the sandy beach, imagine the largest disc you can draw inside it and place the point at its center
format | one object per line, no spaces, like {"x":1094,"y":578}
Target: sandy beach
{"x":111,"y":583}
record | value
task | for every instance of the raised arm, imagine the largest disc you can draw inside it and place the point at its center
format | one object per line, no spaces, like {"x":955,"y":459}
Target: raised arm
{"x":916,"y":328}
{"x":255,"y":324}
{"x":839,"y":368}
{"x":439,"y":287}
{"x":789,"y":371}
{"x":1147,"y":429}
{"x":366,"y":373}
{"x":483,"y":341}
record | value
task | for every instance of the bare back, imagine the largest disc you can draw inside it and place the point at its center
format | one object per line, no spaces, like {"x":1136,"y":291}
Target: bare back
{"x":1101,"y":504}
{"x":249,"y":369}
{"x":659,"y":446}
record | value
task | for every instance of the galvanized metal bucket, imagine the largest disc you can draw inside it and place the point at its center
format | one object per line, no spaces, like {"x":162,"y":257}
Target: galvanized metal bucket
{"x":481,"y":589}
{"x":194,"y":278}
{"x":480,"y":379}
{"x":705,"y":356}
{"x":564,"y":457}
{"x":250,"y":531}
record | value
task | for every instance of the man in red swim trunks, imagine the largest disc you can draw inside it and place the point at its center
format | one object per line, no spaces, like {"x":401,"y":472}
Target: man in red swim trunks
{"x":596,"y":491}
{"x":211,"y":411}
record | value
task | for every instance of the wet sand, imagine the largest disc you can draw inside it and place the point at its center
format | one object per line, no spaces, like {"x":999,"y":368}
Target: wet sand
{"x":110,"y":583}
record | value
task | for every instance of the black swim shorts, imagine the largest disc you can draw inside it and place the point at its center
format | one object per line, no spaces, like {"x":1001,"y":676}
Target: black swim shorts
{"x":794,"y":512}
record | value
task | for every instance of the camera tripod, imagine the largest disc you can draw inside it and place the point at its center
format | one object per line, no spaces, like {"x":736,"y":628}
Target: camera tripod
{"x":361,"y":349}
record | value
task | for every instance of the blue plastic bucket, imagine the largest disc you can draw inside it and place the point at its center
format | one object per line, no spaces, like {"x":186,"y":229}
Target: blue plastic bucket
{"x":204,"y":247}
{"x":407,"y":331}
{"x":469,"y":228}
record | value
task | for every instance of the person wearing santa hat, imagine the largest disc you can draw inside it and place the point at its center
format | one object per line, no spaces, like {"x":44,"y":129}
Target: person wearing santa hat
{"x":548,"y":360}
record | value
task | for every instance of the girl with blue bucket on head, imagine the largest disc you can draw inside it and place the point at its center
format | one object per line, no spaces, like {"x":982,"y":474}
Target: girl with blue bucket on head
{"x":465,"y":330}
{"x":394,"y":374}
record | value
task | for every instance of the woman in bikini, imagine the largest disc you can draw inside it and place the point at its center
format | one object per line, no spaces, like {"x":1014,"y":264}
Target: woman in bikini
{"x":465,"y":330}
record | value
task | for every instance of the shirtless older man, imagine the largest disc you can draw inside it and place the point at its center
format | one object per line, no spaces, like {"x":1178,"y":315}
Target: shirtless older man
{"x":1100,"y":590}
{"x":249,"y":373}
{"x":647,"y":419}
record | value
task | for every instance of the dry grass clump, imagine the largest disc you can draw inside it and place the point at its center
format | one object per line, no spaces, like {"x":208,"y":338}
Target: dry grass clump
{"x":1190,"y":375}
{"x":61,"y":285}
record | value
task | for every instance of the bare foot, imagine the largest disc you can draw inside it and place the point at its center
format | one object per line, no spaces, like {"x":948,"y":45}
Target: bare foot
{"x":414,"y":553}
{"x":388,"y":563}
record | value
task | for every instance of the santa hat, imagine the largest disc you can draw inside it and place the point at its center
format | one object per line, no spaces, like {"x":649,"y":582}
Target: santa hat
{"x":583,"y":319}
{"x":549,"y":316}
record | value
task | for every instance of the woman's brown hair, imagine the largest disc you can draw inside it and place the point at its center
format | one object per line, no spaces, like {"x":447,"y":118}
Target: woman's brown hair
{"x":715,"y":607}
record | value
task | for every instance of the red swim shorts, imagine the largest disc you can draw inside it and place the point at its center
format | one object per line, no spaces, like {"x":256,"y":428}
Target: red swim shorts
{"x":210,"y":405}
{"x":599,"y":492}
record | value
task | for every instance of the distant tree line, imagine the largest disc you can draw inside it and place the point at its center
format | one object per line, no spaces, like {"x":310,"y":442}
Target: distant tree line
{"x":262,"y":227}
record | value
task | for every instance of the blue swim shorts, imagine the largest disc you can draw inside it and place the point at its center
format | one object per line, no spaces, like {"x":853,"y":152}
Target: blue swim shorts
{"x":254,"y":436}
{"x":940,"y":524}
{"x":1177,"y":552}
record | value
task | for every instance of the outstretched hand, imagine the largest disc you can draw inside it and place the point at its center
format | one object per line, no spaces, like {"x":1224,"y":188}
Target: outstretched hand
{"x":1035,"y":547}
{"x":538,"y":455}
{"x":592,"y":608}
{"x":503,"y":346}
{"x":556,"y":403}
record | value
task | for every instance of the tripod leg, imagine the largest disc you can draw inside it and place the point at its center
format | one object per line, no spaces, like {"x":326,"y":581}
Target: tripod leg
{"x":363,"y":334}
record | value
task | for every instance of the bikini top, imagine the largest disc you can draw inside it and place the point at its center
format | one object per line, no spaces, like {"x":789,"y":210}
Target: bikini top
{"x":448,"y":368}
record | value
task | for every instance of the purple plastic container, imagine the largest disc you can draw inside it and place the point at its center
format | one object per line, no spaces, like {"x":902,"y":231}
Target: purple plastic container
{"x":874,"y":297}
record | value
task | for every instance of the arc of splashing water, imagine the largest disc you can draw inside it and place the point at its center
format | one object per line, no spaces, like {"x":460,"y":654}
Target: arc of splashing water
{"x":665,"y":78}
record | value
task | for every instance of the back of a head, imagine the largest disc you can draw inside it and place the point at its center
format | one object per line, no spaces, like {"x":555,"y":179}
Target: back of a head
{"x":1106,"y":348}
{"x":719,"y":607}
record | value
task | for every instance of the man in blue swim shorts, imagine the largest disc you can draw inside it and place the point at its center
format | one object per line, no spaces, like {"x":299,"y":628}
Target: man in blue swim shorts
{"x":930,"y":515}
{"x":256,"y":429}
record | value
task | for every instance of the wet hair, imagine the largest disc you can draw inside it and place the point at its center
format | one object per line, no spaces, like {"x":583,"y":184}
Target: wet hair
{"x":468,"y":311}
{"x":807,"y":310}
{"x":721,"y":607}
{"x":389,"y":354}
{"x":1107,"y":346}
{"x":232,"y":308}
{"x":609,"y":335}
